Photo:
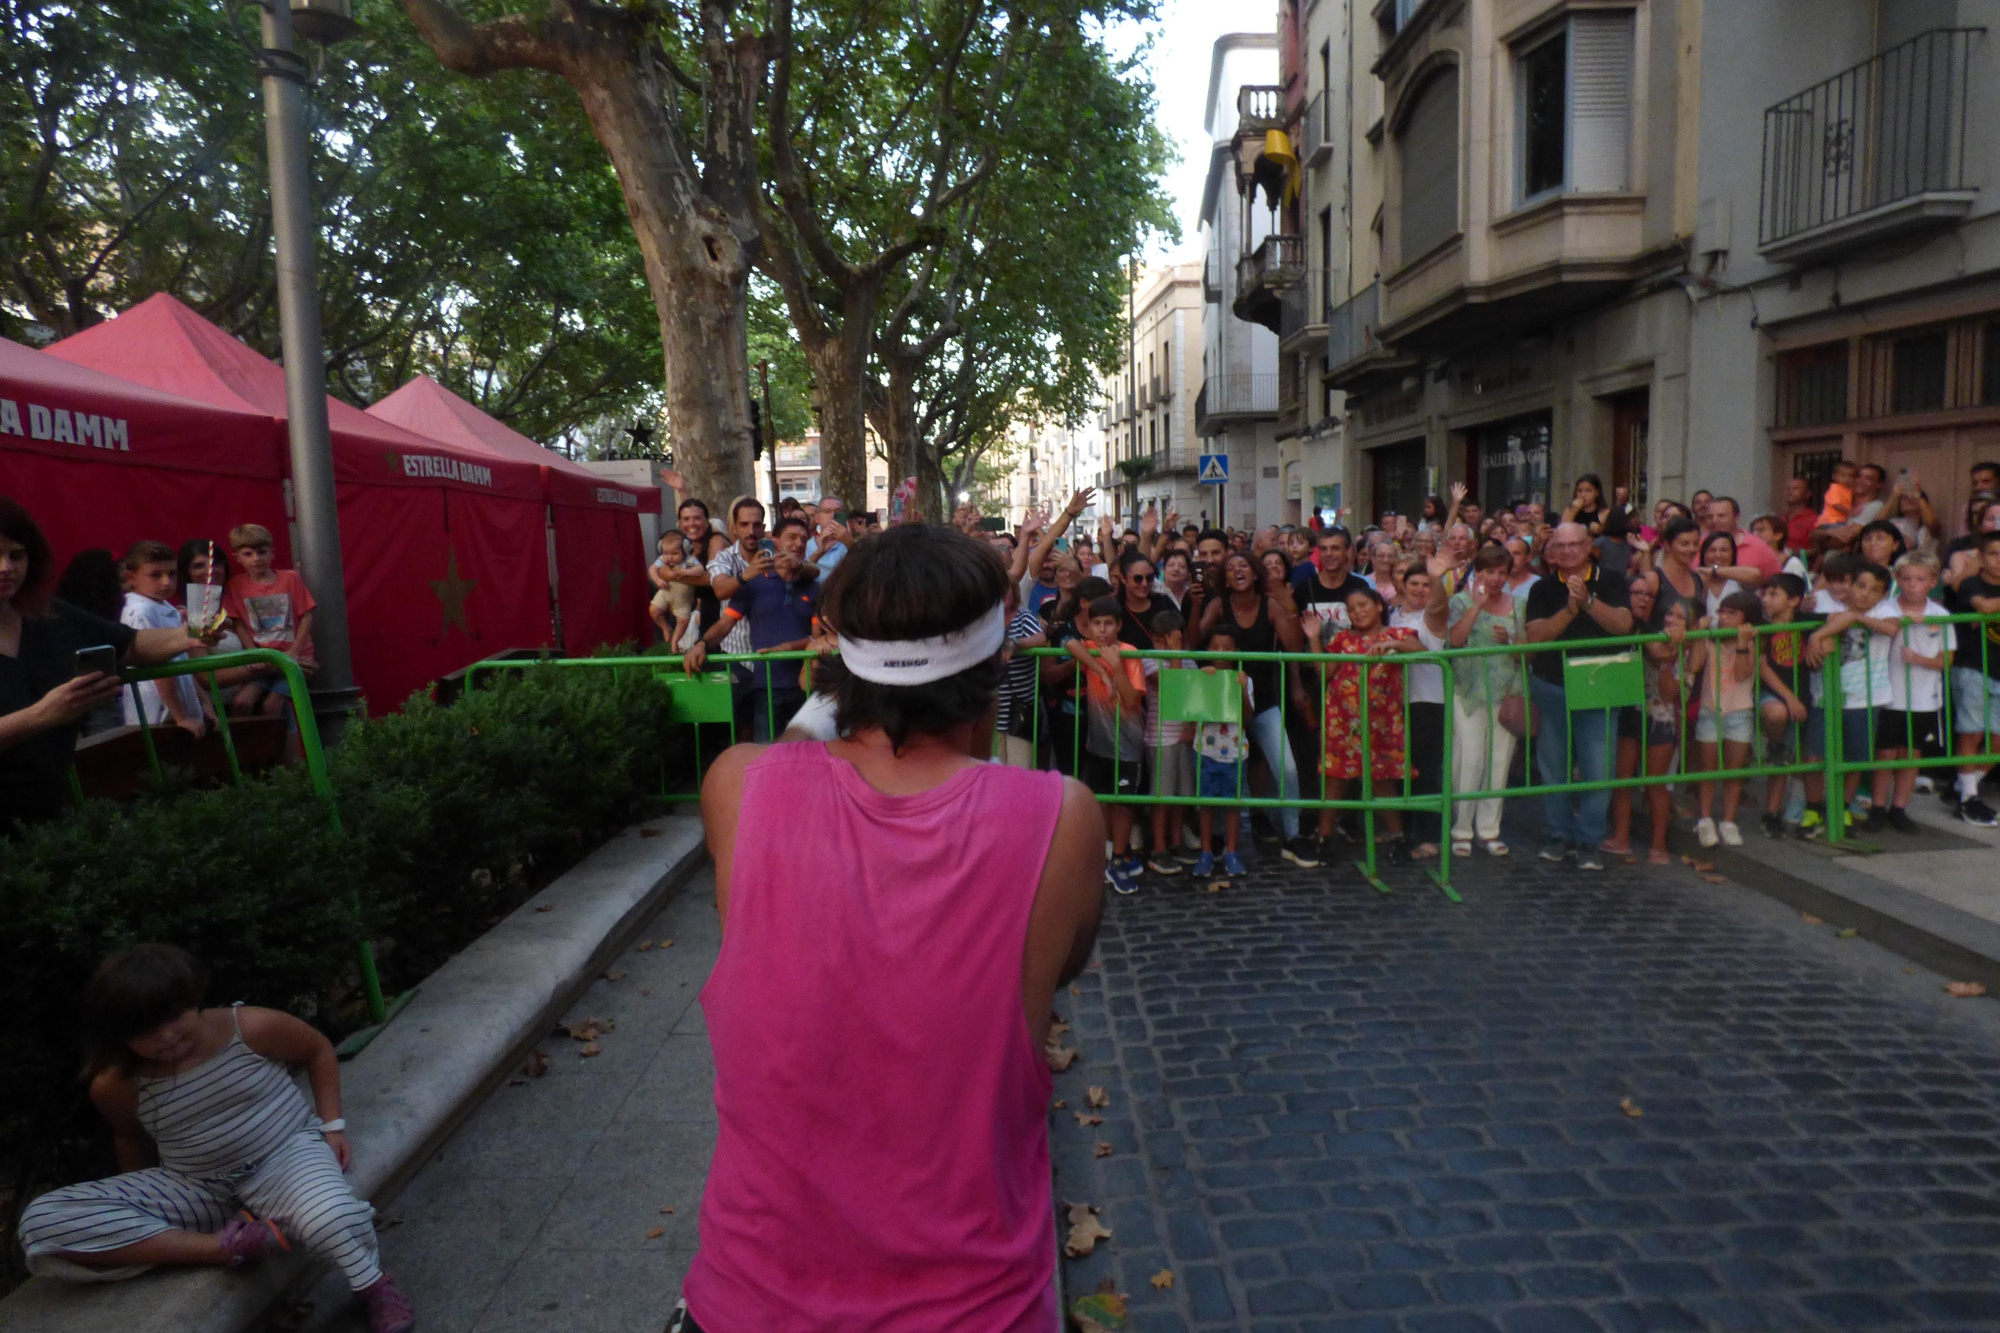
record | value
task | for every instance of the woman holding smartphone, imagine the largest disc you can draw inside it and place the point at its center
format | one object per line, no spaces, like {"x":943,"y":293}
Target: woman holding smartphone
{"x":56,"y":664}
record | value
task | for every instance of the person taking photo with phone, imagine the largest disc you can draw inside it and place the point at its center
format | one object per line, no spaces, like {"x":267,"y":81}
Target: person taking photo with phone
{"x":56,"y":664}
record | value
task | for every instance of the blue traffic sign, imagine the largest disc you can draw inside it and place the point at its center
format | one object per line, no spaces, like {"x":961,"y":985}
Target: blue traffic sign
{"x":1213,"y":470}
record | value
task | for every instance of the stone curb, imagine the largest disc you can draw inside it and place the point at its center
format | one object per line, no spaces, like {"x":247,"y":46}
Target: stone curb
{"x":1930,"y":934}
{"x":472,"y":1021}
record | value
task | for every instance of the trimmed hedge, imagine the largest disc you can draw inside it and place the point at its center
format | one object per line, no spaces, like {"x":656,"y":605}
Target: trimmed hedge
{"x":451,"y":817}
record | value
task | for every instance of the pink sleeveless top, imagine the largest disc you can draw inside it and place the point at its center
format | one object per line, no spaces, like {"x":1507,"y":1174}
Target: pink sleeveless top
{"x":882,"y":1162}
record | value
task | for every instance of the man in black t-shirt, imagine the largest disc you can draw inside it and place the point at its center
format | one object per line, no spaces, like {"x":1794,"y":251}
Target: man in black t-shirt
{"x":1324,"y":591}
{"x":1975,"y":676}
{"x":1577,"y":601}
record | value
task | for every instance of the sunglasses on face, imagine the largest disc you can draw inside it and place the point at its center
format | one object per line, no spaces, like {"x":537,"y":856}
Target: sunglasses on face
{"x":1138,"y":578}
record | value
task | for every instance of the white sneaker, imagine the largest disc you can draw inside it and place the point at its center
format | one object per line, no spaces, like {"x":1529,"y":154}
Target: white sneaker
{"x":1731,"y":835}
{"x":1704,"y":832}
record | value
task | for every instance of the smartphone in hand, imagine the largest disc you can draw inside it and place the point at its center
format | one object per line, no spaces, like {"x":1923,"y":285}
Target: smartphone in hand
{"x":101,"y":659}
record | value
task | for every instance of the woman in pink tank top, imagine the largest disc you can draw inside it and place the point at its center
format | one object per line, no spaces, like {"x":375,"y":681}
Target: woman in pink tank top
{"x":897,"y":917}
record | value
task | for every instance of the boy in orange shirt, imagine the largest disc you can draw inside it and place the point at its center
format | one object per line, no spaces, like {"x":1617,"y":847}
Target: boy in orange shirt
{"x":270,"y":608}
{"x":1115,"y":742}
{"x":1839,"y":496}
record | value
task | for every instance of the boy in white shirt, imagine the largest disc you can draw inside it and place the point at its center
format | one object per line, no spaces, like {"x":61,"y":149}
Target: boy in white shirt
{"x":151,"y":571}
{"x":1860,"y":636}
{"x":1919,"y":655}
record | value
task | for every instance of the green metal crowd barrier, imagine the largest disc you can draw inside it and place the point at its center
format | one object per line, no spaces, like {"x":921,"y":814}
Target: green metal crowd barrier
{"x":1599,"y":676}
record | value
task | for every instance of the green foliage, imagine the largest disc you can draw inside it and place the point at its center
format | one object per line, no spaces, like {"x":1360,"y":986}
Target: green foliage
{"x":450,"y":818}
{"x":471,"y":230}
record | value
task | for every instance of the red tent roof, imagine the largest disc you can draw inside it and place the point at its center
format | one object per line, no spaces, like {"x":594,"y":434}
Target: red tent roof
{"x":162,"y":343}
{"x":428,"y":408}
{"x":50,"y":406}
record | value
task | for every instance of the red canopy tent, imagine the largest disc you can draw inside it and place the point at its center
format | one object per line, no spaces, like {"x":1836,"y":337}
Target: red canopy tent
{"x":100,"y":461}
{"x":443,"y":548}
{"x":599,"y":552}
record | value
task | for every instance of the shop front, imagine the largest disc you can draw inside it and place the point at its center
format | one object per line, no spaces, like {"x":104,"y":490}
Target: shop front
{"x":1508,"y":461}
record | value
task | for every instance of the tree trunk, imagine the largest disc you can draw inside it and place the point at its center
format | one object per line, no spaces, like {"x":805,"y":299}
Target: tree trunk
{"x":695,"y":231}
{"x":839,"y":361}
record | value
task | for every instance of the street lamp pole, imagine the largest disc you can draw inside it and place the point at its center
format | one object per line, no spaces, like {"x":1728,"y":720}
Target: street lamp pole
{"x":283,"y":73}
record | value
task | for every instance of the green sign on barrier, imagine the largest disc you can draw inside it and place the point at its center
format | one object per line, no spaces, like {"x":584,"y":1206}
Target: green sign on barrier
{"x":1191,"y":695}
{"x":1612,"y":680}
{"x":703,"y":698}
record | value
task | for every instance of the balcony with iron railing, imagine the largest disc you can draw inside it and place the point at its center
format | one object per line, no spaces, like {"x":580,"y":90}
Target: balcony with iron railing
{"x":1234,"y":397}
{"x":1304,"y":307}
{"x":1317,"y":130}
{"x":1355,"y":353}
{"x":1874,"y":152}
{"x":1278,"y":262}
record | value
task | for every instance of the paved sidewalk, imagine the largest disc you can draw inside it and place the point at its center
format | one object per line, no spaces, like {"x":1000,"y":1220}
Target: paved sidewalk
{"x":536,"y":1215}
{"x":1334,"y":1110}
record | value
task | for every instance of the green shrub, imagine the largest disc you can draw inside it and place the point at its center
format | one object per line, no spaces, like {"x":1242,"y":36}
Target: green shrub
{"x":450,"y":818}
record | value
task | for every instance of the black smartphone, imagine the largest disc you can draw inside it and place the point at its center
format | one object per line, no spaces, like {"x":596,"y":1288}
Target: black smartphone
{"x":102,"y":659}
{"x":993,"y":523}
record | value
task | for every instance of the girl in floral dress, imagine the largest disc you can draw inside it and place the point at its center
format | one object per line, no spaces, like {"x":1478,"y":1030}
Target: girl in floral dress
{"x":1369,"y":634}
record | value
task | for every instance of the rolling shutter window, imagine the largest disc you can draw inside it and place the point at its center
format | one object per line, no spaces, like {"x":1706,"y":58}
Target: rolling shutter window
{"x":1600,"y":100}
{"x":1430,"y":167}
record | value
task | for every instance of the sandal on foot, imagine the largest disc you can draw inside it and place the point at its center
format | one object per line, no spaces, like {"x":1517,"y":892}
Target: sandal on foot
{"x":1424,"y":851}
{"x":1461,"y":848}
{"x":1659,"y":858}
{"x":1495,"y":847}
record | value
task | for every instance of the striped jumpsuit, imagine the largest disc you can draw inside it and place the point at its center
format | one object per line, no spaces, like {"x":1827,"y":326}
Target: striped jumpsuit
{"x":233,"y":1132}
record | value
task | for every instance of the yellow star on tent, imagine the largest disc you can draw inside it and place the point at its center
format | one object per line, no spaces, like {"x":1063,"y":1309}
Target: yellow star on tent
{"x":452,"y":590}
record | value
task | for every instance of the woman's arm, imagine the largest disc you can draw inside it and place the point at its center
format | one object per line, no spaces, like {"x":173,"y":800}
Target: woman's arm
{"x":64,"y":704}
{"x":1286,"y":618}
{"x":1461,"y":629}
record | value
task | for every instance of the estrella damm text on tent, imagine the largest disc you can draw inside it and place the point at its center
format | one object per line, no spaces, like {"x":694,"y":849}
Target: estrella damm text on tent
{"x":61,"y":426}
{"x":450,"y":469}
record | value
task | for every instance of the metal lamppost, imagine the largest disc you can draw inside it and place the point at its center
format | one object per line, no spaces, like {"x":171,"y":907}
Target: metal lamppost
{"x":284,"y":74}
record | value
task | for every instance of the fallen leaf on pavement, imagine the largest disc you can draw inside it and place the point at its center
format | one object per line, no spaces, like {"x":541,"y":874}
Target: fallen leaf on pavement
{"x":1085,"y":1118}
{"x":1084,"y":1231}
{"x":538,"y":1065}
{"x":1074,"y":991}
{"x":1060,"y":1103}
{"x":1103,"y":1311}
{"x":649,"y":833}
{"x":590,"y":1029}
{"x":590,"y":1048}
{"x":1810,"y":919}
{"x":1716,"y":879}
{"x":1163,"y":1280}
{"x":666,"y":1210}
{"x":1702,"y":867}
{"x":616,"y":975}
{"x":1686,"y":860}
{"x":666,"y":944}
{"x":1098,"y":1096}
{"x":1964,"y":989}
{"x":656,"y":1233}
{"x":1631,"y":1108}
{"x":1102,"y":1149}
{"x":645,"y":990}
{"x":1217,"y":885}
{"x":1057,"y":1028}
{"x":645,"y":945}
{"x":1849,"y":933}
{"x":546,"y":907}
{"x":1060,"y":1057}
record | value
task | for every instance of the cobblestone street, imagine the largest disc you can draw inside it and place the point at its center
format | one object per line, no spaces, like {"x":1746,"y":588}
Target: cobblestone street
{"x":1335,"y":1110}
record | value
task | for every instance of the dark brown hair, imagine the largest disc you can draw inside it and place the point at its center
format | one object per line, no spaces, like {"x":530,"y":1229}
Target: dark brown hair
{"x":33,"y":598}
{"x":140,"y":554}
{"x":131,"y":993}
{"x":912,"y":581}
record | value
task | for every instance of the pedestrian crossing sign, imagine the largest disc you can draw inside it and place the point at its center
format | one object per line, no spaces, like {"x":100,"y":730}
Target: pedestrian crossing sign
{"x":1214,"y":469}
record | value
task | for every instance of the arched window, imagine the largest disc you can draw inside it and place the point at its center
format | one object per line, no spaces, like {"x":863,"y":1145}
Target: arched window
{"x":1430,"y":166}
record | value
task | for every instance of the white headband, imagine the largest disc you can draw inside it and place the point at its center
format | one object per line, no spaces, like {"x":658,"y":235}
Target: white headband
{"x":920,"y":661}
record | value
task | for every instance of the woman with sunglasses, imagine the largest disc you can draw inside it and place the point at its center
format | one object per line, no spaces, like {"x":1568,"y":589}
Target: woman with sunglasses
{"x":1139,"y":598}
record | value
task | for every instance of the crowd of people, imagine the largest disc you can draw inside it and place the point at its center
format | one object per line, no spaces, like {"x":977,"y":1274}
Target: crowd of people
{"x":1858,"y":568}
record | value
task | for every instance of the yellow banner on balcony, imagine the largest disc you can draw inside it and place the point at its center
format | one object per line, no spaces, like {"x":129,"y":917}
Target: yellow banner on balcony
{"x":1278,"y":151}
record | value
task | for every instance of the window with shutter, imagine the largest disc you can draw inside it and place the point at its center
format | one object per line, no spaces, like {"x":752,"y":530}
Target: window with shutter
{"x":1430,"y":166}
{"x":1600,"y":100}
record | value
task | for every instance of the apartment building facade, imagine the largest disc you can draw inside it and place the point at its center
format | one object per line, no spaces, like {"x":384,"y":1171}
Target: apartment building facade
{"x":1236,"y":409}
{"x":1527,"y":321}
{"x":1148,"y":419}
{"x":1846,"y":250}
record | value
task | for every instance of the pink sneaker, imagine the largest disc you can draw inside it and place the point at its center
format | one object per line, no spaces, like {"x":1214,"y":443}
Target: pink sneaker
{"x":248,"y":1239}
{"x":388,"y":1309}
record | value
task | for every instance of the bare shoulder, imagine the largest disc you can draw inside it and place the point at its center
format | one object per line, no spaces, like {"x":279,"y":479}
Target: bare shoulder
{"x":115,"y":1096}
{"x":724,"y":781}
{"x":277,"y":1035}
